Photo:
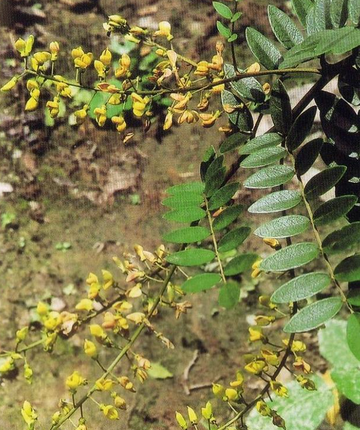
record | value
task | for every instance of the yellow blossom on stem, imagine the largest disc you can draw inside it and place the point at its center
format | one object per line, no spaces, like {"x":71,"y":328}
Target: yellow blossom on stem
{"x":218,"y":390}
{"x":7,"y":366}
{"x":106,"y":57}
{"x":207,"y":412}
{"x":54,"y":50}
{"x":139,"y":104}
{"x":239,"y":380}
{"x":90,"y":349}
{"x":29,"y":415}
{"x":273,"y":243}
{"x":296,"y":346}
{"x":164,"y":30}
{"x":119,"y":122}
{"x":263,"y":408}
{"x":85,"y":305}
{"x":301,"y":365}
{"x":218,"y":88}
{"x":31,"y":104}
{"x":123,"y":71}
{"x":91,"y":278}
{"x":256,"y":334}
{"x":10,"y":84}
{"x":109,"y":411}
{"x":270,"y":357}
{"x":108,"y":279}
{"x":28,"y":373}
{"x":115,"y":99}
{"x":254,"y":68}
{"x":119,"y":402}
{"x":101,"y":69}
{"x":231,"y":394}
{"x":202,"y":68}
{"x":208,"y":120}
{"x":21,"y":334}
{"x":25,"y":47}
{"x":189,"y":116}
{"x":126,"y":383}
{"x":104,"y":384}
{"x":83,"y":61}
{"x":74,"y":381}
{"x":52,"y":321}
{"x":53,"y":106}
{"x":266,"y":88}
{"x":100,"y":115}
{"x":97,"y":330}
{"x":279,"y":388}
{"x":181,"y":420}
{"x":256,"y":367}
{"x":264,"y":320}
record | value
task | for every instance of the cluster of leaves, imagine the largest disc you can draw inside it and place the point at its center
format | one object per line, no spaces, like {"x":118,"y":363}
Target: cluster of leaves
{"x":211,"y":239}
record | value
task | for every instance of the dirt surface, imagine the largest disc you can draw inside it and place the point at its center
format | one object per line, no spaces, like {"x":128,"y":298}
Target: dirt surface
{"x":83,"y":187}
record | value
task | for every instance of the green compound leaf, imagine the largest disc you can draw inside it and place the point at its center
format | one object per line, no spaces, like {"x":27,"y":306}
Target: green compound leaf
{"x":285,"y":226}
{"x":223,"y":195}
{"x":229,"y":295}
{"x":234,"y":141}
{"x":181,"y":200}
{"x":343,"y":239}
{"x":314,"y":315}
{"x":227,"y":217}
{"x":201,"y":282}
{"x":307,"y":156}
{"x":188,"y":214}
{"x":300,"y":129}
{"x":349,"y":269}
{"x":345,"y":371}
{"x":261,"y":142}
{"x":223,"y":30}
{"x":249,"y":88}
{"x":270,"y":177}
{"x":339,"y":12}
{"x":334,"y":209}
{"x":324,"y":181}
{"x":353,"y":334}
{"x":189,"y":187}
{"x":222,"y":10}
{"x":187,"y":235}
{"x":283,"y":27}
{"x":241,"y":116}
{"x":191,"y":257}
{"x":292,"y":256}
{"x":263,"y":49}
{"x":302,"y":287}
{"x":280,"y":108}
{"x":301,"y":9}
{"x":240,"y":264}
{"x":233,"y":239}
{"x":354,"y":11}
{"x":276,"y":202}
{"x":264,"y":157}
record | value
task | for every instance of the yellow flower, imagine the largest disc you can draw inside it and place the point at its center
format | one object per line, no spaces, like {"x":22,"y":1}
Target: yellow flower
{"x":192,"y":415}
{"x":108,"y":279}
{"x":207,"y":412}
{"x":77,"y":52}
{"x":256,"y":334}
{"x":31,"y":104}
{"x":74,"y":381}
{"x":218,"y":88}
{"x":54,"y":50}
{"x":139,"y":104}
{"x":84,"y":305}
{"x":231,"y":394}
{"x":208,"y":120}
{"x":81,"y":60}
{"x":28,"y":373}
{"x":124,"y":67}
{"x":255,"y":367}
{"x":136,"y":317}
{"x":296,"y":346}
{"x":21,"y":334}
{"x":91,"y":278}
{"x":100,"y":115}
{"x":7,"y":366}
{"x":81,"y":114}
{"x":273,"y":243}
{"x":270,"y":357}
{"x":239,"y":380}
{"x":263,"y":408}
{"x":109,"y":411}
{"x":202,"y":68}
{"x":301,"y":365}
{"x":119,"y":402}
{"x":254,"y":68}
{"x":117,"y":24}
{"x":306,"y":383}
{"x":106,"y":57}
{"x":90,"y":348}
{"x":53,"y":106}
{"x":279,"y":388}
{"x":190,"y":116}
{"x":164,"y":30}
{"x":100,"y":68}
{"x":119,"y":122}
{"x":266,"y":88}
{"x":168,"y":120}
{"x":53,"y":321}
{"x":10,"y":84}
{"x":104,"y":384}
{"x":181,"y":420}
{"x":115,"y":99}
{"x":218,"y":390}
{"x":126,"y":383}
{"x":28,"y":413}
{"x":97,"y":330}
{"x":264,"y":320}
{"x":25,"y":47}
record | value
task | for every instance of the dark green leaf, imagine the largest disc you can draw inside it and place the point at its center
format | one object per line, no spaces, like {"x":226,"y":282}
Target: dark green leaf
{"x":285,"y":226}
{"x":283,"y":27}
{"x":227,"y":217}
{"x":240,"y":264}
{"x":233,"y":142}
{"x":353,"y":297}
{"x":222,"y":9}
{"x":233,"y":239}
{"x":223,"y":30}
{"x":334,"y":209}
{"x":181,"y":200}
{"x":349,"y":269}
{"x":349,"y":85}
{"x":353,"y":334}
{"x":276,"y":202}
{"x":343,"y":239}
{"x":229,"y":295}
{"x":191,"y":257}
{"x":264,"y":50}
{"x":201,"y":282}
{"x":187,"y":235}
{"x":354,"y":11}
{"x":261,"y":142}
{"x":223,"y":195}
{"x":270,"y":177}
{"x":264,"y":157}
{"x":314,"y":315}
{"x":188,"y":214}
{"x":208,"y":158}
{"x":249,"y":88}
{"x":214,"y":182}
{"x":301,"y":9}
{"x":308,"y":155}
{"x":280,"y":108}
{"x":324,"y":181}
{"x":300,"y":129}
{"x":338,"y":41}
{"x":216,"y":164}
{"x":189,"y":187}
{"x":292,"y":256}
{"x":301,"y":53}
{"x":302,"y":287}
{"x":241,"y":116}
{"x":318,"y":18}
{"x":339,"y":12}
